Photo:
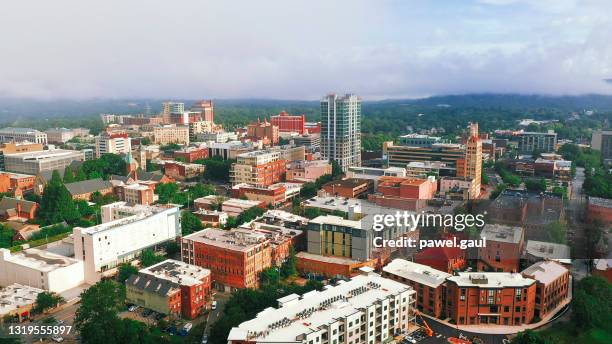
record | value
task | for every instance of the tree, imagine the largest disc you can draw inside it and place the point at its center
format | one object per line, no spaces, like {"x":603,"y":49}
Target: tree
{"x":68,"y":176}
{"x":172,"y":248}
{"x":529,"y":337}
{"x":289,"y":268}
{"x":96,"y":319}
{"x":80,"y":174}
{"x":84,"y":208}
{"x":47,"y":300}
{"x":148,"y":258}
{"x":308,"y":190}
{"x":536,"y":185}
{"x":592,"y":304}
{"x":125,"y":271}
{"x":556,"y":232}
{"x":56,"y":204}
{"x":270,"y":275}
{"x":336,"y":170}
{"x":104,"y":166}
{"x":311,"y":213}
{"x":190,"y":223}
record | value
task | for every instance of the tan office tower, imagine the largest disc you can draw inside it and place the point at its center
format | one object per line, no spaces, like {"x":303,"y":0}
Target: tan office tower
{"x":471,"y":166}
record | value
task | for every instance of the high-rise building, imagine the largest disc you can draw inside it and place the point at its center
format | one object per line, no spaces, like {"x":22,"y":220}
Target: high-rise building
{"x":341,"y":129}
{"x":470,"y":167}
{"x":602,"y":141}
{"x":206,"y":109}
{"x":170,"y":108}
{"x":259,"y":168}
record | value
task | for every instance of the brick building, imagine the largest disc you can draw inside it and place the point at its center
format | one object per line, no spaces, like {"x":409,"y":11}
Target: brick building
{"x":287,"y":123}
{"x":170,"y":287}
{"x":553,"y":283}
{"x":191,"y":154}
{"x":503,"y":249}
{"x":478,"y":298}
{"x":307,"y":171}
{"x":15,"y":209}
{"x":259,"y":168}
{"x":349,"y":188}
{"x":600,"y":209}
{"x":447,"y":259}
{"x":9,"y":182}
{"x":428,"y":282}
{"x":263,"y":131}
{"x":236,"y":258}
{"x":183,"y":171}
{"x":84,"y":189}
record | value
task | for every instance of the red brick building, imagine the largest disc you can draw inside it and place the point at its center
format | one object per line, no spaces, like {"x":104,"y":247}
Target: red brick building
{"x":206,"y":109}
{"x":15,"y":209}
{"x":477,"y":298}
{"x":600,"y":209}
{"x":349,"y":188}
{"x":287,"y":123}
{"x":191,"y":154}
{"x":182,"y":171}
{"x":263,"y":131}
{"x":428,"y":282}
{"x":9,"y":182}
{"x":503,"y":249}
{"x":171,"y":287}
{"x":553,"y":283}
{"x":236,"y":258}
{"x":447,"y":259}
{"x":329,"y":266}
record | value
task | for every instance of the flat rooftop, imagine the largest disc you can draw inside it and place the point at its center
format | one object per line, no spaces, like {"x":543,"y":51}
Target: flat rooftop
{"x":547,"y":250}
{"x":327,"y":259}
{"x":15,"y":296}
{"x":45,"y":154}
{"x":305,"y":314}
{"x":39,"y":260}
{"x":139,"y":211}
{"x":491,"y":280}
{"x":601,"y":202}
{"x":236,"y":239}
{"x":336,"y":220}
{"x":546,"y":271}
{"x":419,"y":273}
{"x":502,"y":233}
{"x":177,"y":272}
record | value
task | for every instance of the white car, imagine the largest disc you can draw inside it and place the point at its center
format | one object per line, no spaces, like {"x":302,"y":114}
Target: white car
{"x":57,"y":338}
{"x":214,"y":305}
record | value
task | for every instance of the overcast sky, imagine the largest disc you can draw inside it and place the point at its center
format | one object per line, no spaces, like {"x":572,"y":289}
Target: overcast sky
{"x":303,"y":49}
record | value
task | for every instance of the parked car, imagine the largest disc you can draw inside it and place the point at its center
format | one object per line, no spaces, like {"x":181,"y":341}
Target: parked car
{"x":205,"y":339}
{"x":186,"y":329}
{"x":214,"y":305}
{"x":57,"y":338}
{"x":132,"y":308}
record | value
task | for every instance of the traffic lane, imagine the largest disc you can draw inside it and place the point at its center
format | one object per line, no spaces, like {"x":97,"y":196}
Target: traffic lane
{"x":448,"y":331}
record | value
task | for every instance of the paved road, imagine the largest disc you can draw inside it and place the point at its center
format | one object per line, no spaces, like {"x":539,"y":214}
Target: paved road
{"x":214,"y":315}
{"x":442,"y":332}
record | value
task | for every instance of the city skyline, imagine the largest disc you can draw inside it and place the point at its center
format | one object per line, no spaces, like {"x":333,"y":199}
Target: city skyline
{"x":269,"y":50}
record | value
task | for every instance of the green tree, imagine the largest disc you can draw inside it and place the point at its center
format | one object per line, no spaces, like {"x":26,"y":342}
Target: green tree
{"x":190,"y":223}
{"x":336,"y":170}
{"x":56,"y":204}
{"x":289,"y":268}
{"x":536,"y":185}
{"x":148,"y":258}
{"x":172,"y":248}
{"x":311,"y":213}
{"x":68,"y":176}
{"x":308,"y":190}
{"x":592,"y":304}
{"x":556,"y":232}
{"x":125,"y":271}
{"x":96,"y":318}
{"x":80,"y":174}
{"x":47,"y":300}
{"x":529,"y":337}
{"x":270,"y":275}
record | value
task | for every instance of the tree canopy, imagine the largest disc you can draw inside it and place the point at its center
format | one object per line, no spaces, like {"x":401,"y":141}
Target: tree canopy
{"x":56,"y":204}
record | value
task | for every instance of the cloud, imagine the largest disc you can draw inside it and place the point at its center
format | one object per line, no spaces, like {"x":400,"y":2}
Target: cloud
{"x":302,"y":49}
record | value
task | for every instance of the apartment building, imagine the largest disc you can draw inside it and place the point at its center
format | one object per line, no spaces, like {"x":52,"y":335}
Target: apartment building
{"x":36,"y":162}
{"x":528,"y":142}
{"x":236,"y":258}
{"x":427,"y":282}
{"x":115,"y":143}
{"x":307,"y":171}
{"x":552,"y":286}
{"x":503,"y":250}
{"x":275,"y":194}
{"x":171,"y":287}
{"x":499,"y":298}
{"x":341,"y":129}
{"x":259,"y":168}
{"x":367,"y":309}
{"x":11,"y":134}
{"x":40,"y":269}
{"x":125,"y":231}
{"x":167,"y":134}
{"x":137,"y":194}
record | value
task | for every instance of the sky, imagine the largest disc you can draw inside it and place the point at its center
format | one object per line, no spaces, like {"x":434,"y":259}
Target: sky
{"x":190,"y":49}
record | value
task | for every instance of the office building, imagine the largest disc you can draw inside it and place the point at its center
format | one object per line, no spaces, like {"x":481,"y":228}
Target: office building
{"x":374,"y":173}
{"x":426,"y":281}
{"x":40,"y":269}
{"x":341,"y":130}
{"x":530,"y":142}
{"x":366,"y":309}
{"x":171,"y":287}
{"x":418,"y":140}
{"x":36,"y":162}
{"x":497,"y":298}
{"x":171,"y":108}
{"x":12,"y":148}
{"x":236,"y":258}
{"x":287,"y":123}
{"x":263,"y":131}
{"x":312,"y":142}
{"x":125,"y":231}
{"x":602,"y":141}
{"x":553,"y":284}
{"x":446,"y":153}
{"x":173,"y":133}
{"x":11,"y":134}
{"x":206,"y":109}
{"x":114,"y":143}
{"x":470,"y":168}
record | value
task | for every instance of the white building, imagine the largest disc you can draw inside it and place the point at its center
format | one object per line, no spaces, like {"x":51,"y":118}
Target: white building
{"x":115,"y":143}
{"x":46,"y":160}
{"x":40,"y":269}
{"x":367,"y":309}
{"x":125,"y":231}
{"x":17,"y":299}
{"x":11,"y":134}
{"x":341,"y":129}
{"x":374,"y":174}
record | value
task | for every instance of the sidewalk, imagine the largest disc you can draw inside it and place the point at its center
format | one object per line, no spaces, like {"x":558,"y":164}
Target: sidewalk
{"x":502,"y":329}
